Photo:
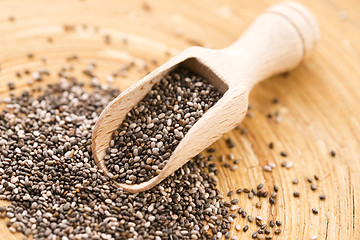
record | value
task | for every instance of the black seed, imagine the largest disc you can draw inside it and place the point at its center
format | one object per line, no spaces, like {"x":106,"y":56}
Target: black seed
{"x":314,"y":211}
{"x":332,"y":153}
{"x":245,"y":228}
{"x":283,"y":154}
{"x":211,"y":150}
{"x":322,"y":197}
{"x":278,"y":223}
{"x":271,"y":223}
{"x":296,"y":194}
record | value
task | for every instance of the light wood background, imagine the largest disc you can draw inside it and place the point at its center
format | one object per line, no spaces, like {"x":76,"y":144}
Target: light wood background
{"x":319,"y":101}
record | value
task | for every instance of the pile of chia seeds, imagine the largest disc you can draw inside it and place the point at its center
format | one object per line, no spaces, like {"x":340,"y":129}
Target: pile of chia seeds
{"x":57,"y":192}
{"x":144,"y":142}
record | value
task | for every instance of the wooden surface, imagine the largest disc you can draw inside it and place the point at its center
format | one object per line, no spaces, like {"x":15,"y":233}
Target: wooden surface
{"x":319,"y":101}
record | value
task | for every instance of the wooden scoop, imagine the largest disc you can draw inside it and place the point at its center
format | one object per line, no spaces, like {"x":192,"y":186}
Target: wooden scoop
{"x":278,"y":41}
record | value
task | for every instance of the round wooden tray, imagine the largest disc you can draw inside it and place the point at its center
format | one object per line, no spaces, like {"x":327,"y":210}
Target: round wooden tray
{"x":318,"y":102}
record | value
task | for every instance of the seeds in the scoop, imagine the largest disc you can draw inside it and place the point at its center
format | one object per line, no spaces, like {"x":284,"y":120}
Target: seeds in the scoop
{"x":283,"y":154}
{"x":295,"y":181}
{"x":277,"y":231}
{"x":276,"y":188}
{"x":313,"y":187}
{"x":322,"y":197}
{"x":169,"y":110}
{"x":245,"y":228}
{"x":278,"y":223}
{"x":271,"y":145}
{"x":296,"y":194}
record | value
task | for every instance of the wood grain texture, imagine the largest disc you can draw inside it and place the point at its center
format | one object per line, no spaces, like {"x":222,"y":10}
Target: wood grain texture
{"x":319,"y":102}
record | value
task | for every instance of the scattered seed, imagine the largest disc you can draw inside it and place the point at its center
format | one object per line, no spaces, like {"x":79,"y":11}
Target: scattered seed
{"x":333,"y":153}
{"x":271,"y":223}
{"x":314,"y":211}
{"x":275,"y":100}
{"x":240,"y":190}
{"x":296,"y":194}
{"x":267,"y":168}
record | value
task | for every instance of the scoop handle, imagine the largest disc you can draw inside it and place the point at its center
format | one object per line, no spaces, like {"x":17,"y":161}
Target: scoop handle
{"x":277,"y":41}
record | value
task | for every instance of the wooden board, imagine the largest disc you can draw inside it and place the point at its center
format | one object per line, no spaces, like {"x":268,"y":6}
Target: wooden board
{"x":319,"y":102}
